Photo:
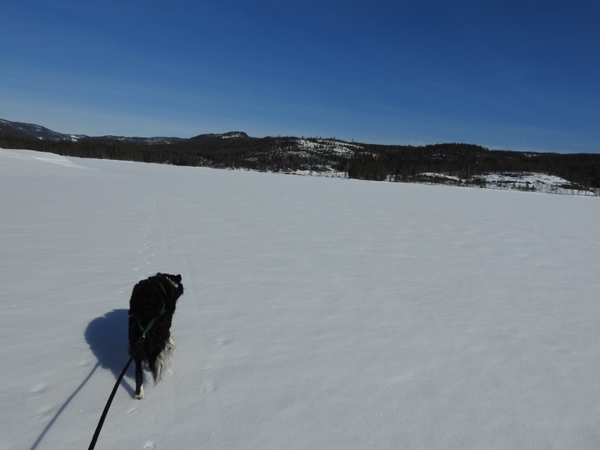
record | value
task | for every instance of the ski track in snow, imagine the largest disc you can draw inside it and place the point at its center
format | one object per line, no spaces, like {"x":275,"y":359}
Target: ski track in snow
{"x":318,"y":313}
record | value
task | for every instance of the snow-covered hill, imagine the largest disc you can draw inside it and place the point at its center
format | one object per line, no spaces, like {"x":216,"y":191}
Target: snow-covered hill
{"x":33,"y":131}
{"x":30,"y":130}
{"x":318,"y":313}
{"x":453,"y":164}
{"x":522,"y":181}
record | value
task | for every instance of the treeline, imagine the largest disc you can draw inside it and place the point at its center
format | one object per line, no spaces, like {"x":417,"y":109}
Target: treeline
{"x":365,"y":161}
{"x":278,"y":154}
{"x":403,"y":163}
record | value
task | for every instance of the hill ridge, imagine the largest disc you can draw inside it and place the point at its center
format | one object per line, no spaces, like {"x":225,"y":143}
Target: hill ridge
{"x":457,"y":164}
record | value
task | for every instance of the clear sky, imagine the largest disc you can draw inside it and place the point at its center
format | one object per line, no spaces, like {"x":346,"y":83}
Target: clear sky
{"x":520,"y":75}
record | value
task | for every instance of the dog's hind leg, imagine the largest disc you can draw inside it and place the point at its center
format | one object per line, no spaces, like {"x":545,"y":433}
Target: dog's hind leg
{"x":139,"y":380}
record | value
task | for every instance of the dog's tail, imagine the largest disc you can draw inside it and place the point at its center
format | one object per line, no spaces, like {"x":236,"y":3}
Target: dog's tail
{"x":163,"y":361}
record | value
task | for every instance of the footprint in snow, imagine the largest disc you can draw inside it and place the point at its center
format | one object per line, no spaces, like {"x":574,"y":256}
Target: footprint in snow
{"x":44,"y":413}
{"x":149,"y":445}
{"x":209,"y":386}
{"x":37,"y":390}
{"x":222,"y":341}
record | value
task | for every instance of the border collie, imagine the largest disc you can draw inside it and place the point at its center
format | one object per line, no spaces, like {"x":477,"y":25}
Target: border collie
{"x":152,"y":299}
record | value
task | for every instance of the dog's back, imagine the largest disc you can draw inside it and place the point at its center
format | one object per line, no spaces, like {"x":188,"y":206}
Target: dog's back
{"x":151,"y":311}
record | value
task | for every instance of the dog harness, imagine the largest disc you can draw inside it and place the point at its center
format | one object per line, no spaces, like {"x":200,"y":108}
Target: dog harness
{"x":153,"y":321}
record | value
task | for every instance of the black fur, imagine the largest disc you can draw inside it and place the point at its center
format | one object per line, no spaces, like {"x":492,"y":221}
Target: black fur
{"x":149,"y":297}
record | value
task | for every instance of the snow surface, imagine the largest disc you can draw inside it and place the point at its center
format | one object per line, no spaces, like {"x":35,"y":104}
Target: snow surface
{"x":318,"y":314}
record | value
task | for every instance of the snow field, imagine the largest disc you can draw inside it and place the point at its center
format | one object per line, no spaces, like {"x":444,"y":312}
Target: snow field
{"x":318,"y":313}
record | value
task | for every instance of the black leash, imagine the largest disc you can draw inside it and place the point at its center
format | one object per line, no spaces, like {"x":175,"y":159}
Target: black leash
{"x":112,"y":395}
{"x":114,"y":391}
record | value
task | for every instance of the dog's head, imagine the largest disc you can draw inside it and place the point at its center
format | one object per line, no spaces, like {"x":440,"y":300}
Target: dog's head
{"x":174,"y":281}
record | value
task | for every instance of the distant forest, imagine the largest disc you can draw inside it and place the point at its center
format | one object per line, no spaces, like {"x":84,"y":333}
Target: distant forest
{"x":363,"y":161}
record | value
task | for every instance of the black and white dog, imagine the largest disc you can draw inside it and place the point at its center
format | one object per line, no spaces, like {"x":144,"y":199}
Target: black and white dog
{"x":151,"y":310}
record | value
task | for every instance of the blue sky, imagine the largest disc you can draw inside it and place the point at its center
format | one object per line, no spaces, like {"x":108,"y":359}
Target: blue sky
{"x":520,"y":75}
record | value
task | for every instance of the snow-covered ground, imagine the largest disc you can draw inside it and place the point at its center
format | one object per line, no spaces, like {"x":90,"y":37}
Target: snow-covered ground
{"x":539,"y":182}
{"x":522,"y":181}
{"x":318,"y":314}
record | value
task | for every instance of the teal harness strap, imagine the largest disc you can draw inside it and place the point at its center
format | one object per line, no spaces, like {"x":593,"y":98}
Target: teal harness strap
{"x":152,"y":322}
{"x":162,"y":288}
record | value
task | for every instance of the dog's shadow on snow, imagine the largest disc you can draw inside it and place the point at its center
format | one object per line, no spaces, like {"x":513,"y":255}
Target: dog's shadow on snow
{"x":108,"y":339}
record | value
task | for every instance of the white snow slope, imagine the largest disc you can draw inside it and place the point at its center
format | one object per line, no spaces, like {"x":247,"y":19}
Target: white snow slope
{"x":318,"y":313}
